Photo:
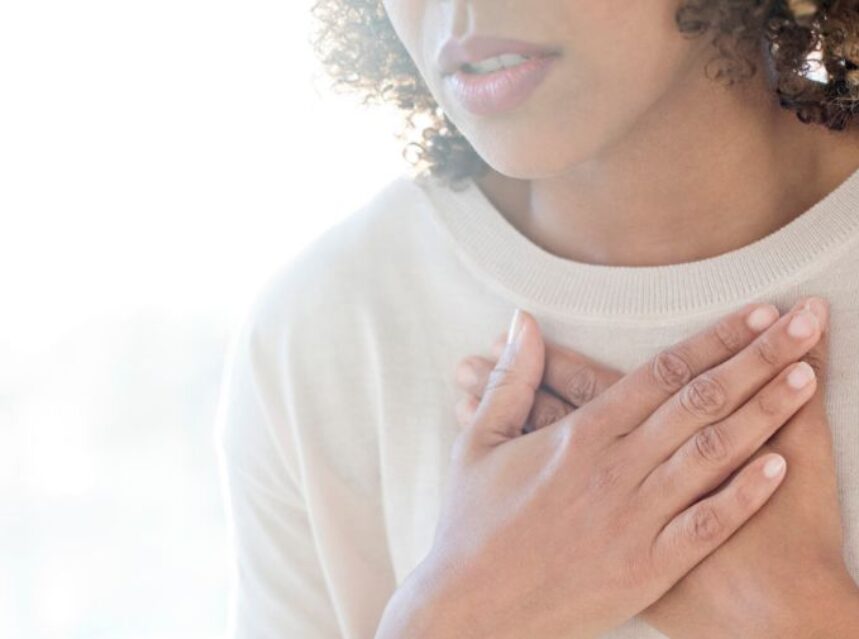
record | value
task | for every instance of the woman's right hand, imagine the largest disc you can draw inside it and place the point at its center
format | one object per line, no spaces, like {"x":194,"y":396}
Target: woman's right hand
{"x":572,"y":529}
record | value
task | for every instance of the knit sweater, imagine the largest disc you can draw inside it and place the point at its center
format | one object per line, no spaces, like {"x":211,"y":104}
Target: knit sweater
{"x":336,"y":414}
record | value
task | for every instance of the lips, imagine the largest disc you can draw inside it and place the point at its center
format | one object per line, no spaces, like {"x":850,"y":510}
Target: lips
{"x":486,"y":94}
{"x":455,"y":53}
{"x":500,"y":91}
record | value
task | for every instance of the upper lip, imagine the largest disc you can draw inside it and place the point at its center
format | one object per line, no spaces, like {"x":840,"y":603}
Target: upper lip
{"x":455,"y":53}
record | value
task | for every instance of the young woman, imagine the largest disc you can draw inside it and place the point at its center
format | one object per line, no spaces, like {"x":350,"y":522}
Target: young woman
{"x":669,"y":193}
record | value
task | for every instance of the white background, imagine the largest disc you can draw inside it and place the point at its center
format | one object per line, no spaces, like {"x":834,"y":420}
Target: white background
{"x":158,"y":160}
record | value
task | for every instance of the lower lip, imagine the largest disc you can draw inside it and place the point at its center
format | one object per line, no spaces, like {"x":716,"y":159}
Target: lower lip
{"x":501,"y":90}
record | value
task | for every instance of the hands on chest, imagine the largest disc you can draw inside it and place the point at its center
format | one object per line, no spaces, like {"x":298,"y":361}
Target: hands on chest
{"x":585,"y":496}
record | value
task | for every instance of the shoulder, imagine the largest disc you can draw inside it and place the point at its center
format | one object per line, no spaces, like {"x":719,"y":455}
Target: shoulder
{"x":310,"y":325}
{"x":353,"y":267}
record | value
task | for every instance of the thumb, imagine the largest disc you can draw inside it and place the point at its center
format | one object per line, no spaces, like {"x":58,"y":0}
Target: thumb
{"x":512,"y":384}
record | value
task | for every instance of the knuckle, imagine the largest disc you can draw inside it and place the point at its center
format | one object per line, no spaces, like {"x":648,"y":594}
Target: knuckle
{"x":544,"y":414}
{"x":578,"y":434}
{"x":728,"y":336}
{"x":466,"y":361}
{"x":671,"y":370}
{"x":766,"y":351}
{"x":662,"y":484}
{"x":473,"y":362}
{"x":744,"y":498}
{"x":704,"y":524}
{"x":605,"y":477}
{"x":499,"y":377}
{"x":711,"y":444}
{"x":580,"y":386}
{"x":768,"y":404}
{"x":465,"y":373}
{"x":704,"y":396}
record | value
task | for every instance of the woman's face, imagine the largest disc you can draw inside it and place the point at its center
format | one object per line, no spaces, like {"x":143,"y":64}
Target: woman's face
{"x":620,"y":61}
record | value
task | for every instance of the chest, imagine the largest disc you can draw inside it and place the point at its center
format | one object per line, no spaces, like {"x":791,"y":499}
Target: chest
{"x":416,"y":452}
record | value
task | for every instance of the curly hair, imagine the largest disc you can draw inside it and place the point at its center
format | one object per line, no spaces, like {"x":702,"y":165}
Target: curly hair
{"x":360,"y":51}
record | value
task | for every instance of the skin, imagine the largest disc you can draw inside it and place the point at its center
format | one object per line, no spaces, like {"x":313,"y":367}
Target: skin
{"x":743,"y":588}
{"x":625,"y":488}
{"x":617,"y":152}
{"x":609,"y":160}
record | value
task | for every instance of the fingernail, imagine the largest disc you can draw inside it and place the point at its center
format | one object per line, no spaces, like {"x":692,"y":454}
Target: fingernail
{"x":774,"y":467}
{"x":803,"y":324}
{"x":800,"y":375}
{"x":762,"y":317}
{"x":817,"y":306}
{"x":515,"y":327}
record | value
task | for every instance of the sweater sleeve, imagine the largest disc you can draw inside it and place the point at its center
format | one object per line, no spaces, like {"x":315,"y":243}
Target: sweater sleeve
{"x":277,"y":586}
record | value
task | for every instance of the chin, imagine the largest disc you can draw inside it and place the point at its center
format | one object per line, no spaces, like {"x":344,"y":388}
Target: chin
{"x":528,"y":157}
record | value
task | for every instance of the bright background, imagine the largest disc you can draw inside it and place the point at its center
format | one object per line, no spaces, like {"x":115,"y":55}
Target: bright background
{"x":158,"y":160}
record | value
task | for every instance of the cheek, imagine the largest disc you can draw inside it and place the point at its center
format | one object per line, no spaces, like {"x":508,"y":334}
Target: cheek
{"x":406,"y":18}
{"x":620,"y":60}
{"x":620,"y":57}
{"x":623,"y":46}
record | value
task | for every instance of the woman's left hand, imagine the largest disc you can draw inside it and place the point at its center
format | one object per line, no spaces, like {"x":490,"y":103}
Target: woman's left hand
{"x":782,"y":574}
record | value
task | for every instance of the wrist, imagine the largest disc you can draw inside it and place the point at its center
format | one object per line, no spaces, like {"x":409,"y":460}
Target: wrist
{"x":418,"y":610}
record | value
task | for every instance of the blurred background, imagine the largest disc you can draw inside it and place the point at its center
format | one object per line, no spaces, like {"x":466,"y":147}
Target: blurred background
{"x":158,"y":161}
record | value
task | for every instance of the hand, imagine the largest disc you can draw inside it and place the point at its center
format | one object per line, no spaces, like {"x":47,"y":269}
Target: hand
{"x":585,"y":522}
{"x":782,"y":573}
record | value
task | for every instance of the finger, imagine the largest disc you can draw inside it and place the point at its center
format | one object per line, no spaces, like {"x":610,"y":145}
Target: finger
{"x":472,"y":375}
{"x":806,"y":429}
{"x":512,"y":385}
{"x":547,"y":410}
{"x":465,"y":409}
{"x":625,"y":404}
{"x":806,"y":441}
{"x":700,"y":529}
{"x":818,"y":356}
{"x":707,"y":458}
{"x":572,"y":376}
{"x":717,"y":393}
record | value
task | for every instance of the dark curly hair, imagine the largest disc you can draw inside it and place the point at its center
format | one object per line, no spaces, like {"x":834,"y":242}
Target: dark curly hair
{"x":360,"y":51}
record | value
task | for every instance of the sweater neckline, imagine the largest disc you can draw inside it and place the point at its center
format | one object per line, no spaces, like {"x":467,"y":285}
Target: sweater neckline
{"x":542,"y":280}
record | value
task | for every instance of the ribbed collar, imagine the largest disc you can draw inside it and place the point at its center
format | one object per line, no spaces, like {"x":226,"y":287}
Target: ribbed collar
{"x":541,"y":280}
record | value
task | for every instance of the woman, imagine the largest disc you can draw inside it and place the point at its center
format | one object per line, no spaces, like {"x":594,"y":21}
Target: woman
{"x":680,"y":230}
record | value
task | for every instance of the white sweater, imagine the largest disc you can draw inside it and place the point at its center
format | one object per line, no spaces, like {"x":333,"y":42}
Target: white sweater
{"x":337,"y":405}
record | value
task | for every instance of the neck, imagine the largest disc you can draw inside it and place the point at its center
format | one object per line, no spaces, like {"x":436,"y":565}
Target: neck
{"x":704,"y":172}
